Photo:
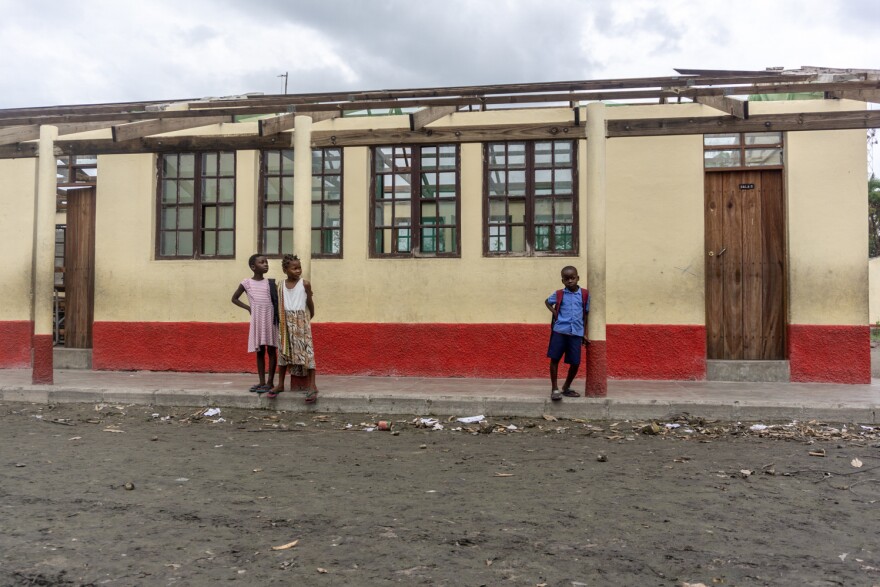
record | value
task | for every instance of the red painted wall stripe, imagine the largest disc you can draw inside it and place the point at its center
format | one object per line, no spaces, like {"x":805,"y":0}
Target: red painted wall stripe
{"x":42,"y":373}
{"x":829,"y":354}
{"x":15,"y":343}
{"x":656,"y":351}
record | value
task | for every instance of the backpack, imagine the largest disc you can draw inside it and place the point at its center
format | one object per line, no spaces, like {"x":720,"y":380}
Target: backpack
{"x":273,"y":294}
{"x":585,"y":297}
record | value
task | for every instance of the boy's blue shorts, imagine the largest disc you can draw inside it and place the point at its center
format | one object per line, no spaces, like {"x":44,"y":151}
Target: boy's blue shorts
{"x":566,"y":344}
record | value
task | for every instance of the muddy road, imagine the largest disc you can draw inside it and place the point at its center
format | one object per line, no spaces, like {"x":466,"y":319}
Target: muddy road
{"x":135,"y":495}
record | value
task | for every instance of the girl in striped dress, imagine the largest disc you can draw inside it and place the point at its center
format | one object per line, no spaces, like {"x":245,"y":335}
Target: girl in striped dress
{"x":296,"y":309}
{"x":263,"y":333}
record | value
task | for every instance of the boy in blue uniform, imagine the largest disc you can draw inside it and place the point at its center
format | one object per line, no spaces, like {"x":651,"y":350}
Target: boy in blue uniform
{"x":570,"y":307}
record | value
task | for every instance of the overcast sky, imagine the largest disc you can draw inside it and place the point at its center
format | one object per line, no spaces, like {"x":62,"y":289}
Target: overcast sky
{"x":92,"y":51}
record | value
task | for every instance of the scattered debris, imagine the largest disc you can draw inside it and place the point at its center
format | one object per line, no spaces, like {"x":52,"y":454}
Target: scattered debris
{"x":286,"y":546}
{"x":817,"y":453}
{"x":550,"y":418}
{"x":211,"y":412}
{"x":129,"y":486}
{"x":856,"y":463}
{"x":471,"y":419}
{"x":322,"y":571}
{"x":503,"y":474}
{"x":602,"y":458}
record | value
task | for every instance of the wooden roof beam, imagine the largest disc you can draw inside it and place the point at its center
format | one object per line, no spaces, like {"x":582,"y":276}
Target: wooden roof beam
{"x":764,"y":122}
{"x":145,"y":128}
{"x":283,"y":122}
{"x":862,"y":95}
{"x":19,"y":134}
{"x":422,"y":118}
{"x":737,"y":108}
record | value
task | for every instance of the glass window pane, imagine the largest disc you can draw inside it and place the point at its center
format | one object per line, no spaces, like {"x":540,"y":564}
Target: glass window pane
{"x":227,"y":217}
{"x":168,"y":243}
{"x":516,"y":183}
{"x":287,"y":161}
{"x":227,"y":164}
{"x":763,"y":138}
{"x":287,"y":189}
{"x":209,"y":220}
{"x":287,"y":241}
{"x":384,"y":214}
{"x":226,"y":247}
{"x":272,"y":216}
{"x":382,"y":158}
{"x":86,"y":159}
{"x":169,"y":191}
{"x":564,"y":211}
{"x":763,"y":157}
{"x":316,"y":215}
{"x":518,"y":239}
{"x":497,"y":238}
{"x":273,"y":162}
{"x":332,"y":188}
{"x":186,"y":165}
{"x":721,"y":159}
{"x":564,"y":241}
{"x":543,"y":182}
{"x":273,"y":189}
{"x":544,"y":210}
{"x":209,"y":164}
{"x":429,"y":213}
{"x":209,"y":190}
{"x":186,"y":189}
{"x":402,"y":188}
{"x":497,"y":211}
{"x":287,"y":215}
{"x":332,"y":214}
{"x":169,"y":218}
{"x":721,"y":139}
{"x":185,"y":244}
{"x":542,"y":238}
{"x":270,"y":240}
{"x":543,"y":154}
{"x":516,"y":154}
{"x":447,"y":213}
{"x":517,"y":211}
{"x":185,"y":217}
{"x":209,"y":243}
{"x":169,"y":165}
{"x":562,"y":183}
{"x":333,"y":160}
{"x":227,"y":190}
{"x":497,"y":183}
{"x":316,"y":241}
{"x":562,"y":151}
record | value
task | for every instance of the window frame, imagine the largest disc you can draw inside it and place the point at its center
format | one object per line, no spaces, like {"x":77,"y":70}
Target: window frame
{"x":197,"y":204}
{"x":742,"y":147}
{"x":261,"y":204}
{"x":70,"y":181}
{"x":530,"y":200}
{"x":414,"y":230}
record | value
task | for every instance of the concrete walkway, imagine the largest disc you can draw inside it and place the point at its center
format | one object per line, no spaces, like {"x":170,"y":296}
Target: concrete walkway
{"x":627,"y":400}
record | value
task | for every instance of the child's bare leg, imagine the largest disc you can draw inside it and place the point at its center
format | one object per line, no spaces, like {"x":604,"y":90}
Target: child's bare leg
{"x":554,"y":370}
{"x":312,"y":389}
{"x":273,"y":359}
{"x":282,"y":371}
{"x":261,"y":368}
{"x":572,"y":372}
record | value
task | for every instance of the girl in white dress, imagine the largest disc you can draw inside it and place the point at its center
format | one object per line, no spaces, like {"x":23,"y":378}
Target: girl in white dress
{"x":296,"y":308}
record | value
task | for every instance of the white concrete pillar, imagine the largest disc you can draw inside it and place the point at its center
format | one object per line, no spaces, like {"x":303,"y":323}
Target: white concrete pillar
{"x":597,"y":363}
{"x":302,"y":192}
{"x":44,"y":257}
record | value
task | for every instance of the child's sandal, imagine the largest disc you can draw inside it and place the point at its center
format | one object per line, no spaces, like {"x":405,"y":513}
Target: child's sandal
{"x":311,"y":396}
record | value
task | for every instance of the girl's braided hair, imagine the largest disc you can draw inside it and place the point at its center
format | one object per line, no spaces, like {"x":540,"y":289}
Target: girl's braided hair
{"x":287,"y":260}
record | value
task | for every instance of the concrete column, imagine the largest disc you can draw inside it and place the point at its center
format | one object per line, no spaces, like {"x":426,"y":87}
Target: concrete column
{"x":302,"y":193}
{"x":43,"y":270}
{"x":597,"y":362}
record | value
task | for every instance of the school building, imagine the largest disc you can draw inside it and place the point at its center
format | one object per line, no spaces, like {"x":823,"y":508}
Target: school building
{"x":719,"y":219}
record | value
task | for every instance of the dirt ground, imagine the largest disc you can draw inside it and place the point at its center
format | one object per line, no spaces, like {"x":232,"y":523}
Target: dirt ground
{"x":135,"y":495}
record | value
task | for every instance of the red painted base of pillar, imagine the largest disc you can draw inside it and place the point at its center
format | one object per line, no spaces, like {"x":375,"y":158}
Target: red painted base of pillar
{"x":597,"y":369}
{"x":42,"y":370}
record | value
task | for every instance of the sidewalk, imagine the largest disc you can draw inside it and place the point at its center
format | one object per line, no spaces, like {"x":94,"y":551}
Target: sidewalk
{"x":627,"y":400}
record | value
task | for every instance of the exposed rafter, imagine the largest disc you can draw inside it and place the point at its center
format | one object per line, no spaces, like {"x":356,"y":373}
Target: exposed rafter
{"x":737,"y":108}
{"x":282,"y":122}
{"x":422,"y":118}
{"x":145,"y":128}
{"x":862,"y":95}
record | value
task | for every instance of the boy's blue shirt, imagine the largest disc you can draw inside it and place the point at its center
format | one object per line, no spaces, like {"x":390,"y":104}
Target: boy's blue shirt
{"x":570,"y":314}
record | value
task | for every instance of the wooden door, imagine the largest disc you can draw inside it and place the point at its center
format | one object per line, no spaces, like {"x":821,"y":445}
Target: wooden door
{"x":79,"y":268}
{"x":745,"y":265}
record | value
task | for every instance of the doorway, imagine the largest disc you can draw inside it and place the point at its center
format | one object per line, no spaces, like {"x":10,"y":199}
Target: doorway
{"x":746,"y":291}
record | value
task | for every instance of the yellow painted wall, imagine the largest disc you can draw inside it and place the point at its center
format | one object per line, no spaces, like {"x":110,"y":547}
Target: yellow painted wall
{"x":655,"y":232}
{"x":827,"y":208}
{"x":18,"y":195}
{"x":874,"y":290}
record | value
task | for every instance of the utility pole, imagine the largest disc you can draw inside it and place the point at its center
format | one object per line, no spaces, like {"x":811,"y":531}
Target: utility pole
{"x":284,"y":75}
